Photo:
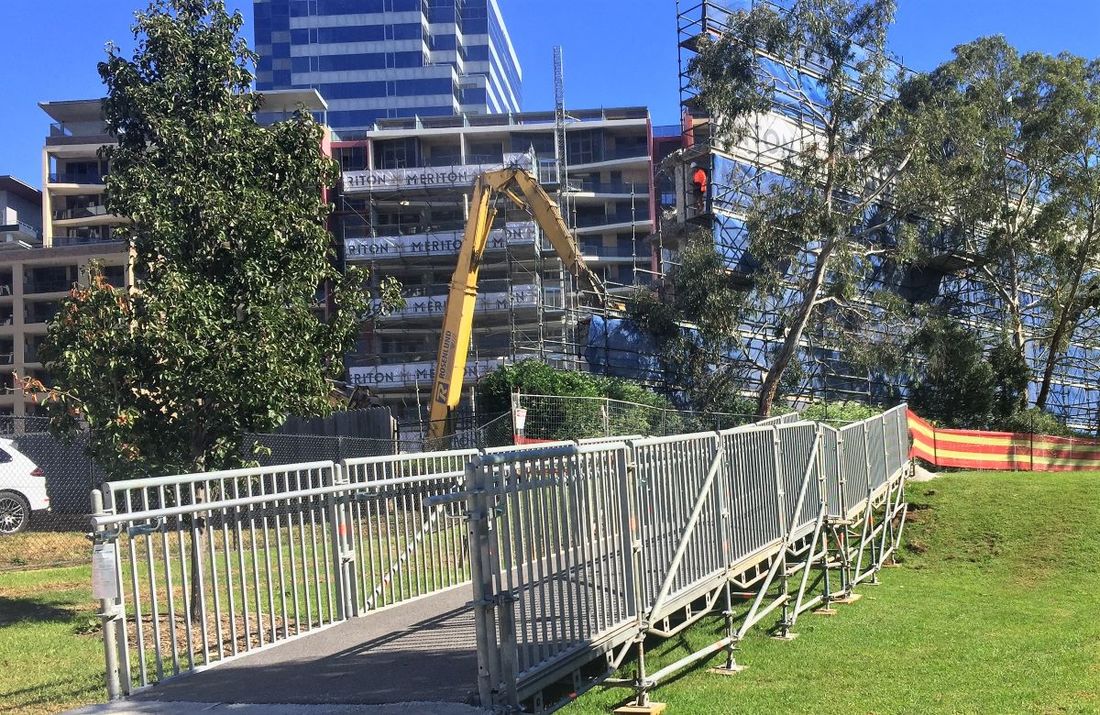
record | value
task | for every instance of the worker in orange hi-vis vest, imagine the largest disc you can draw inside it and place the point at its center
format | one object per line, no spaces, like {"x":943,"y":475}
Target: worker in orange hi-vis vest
{"x":699,"y":180}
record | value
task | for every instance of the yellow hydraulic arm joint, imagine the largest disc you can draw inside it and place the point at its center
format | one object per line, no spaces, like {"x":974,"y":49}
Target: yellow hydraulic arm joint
{"x":520,"y":187}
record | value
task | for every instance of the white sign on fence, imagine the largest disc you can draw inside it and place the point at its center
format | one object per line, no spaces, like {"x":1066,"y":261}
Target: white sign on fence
{"x":104,"y":581}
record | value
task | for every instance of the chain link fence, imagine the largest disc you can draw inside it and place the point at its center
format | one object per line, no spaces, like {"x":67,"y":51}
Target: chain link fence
{"x":46,"y":483}
{"x":556,"y":417}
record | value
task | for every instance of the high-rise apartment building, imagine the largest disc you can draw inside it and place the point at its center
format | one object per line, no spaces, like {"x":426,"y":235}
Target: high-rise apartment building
{"x":378,"y":59}
{"x":20,"y":213}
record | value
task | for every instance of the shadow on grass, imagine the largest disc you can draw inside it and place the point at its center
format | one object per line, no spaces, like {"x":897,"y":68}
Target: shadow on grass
{"x":52,"y":693}
{"x":24,"y":609}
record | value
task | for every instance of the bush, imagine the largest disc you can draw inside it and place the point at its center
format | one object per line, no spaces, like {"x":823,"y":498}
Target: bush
{"x":639,"y":411}
{"x":839,"y":412}
{"x":1035,"y":421}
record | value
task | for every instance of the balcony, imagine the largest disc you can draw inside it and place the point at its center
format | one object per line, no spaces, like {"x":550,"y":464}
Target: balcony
{"x":62,"y":134}
{"x":621,"y":154}
{"x":80,"y":212}
{"x":83,"y":240}
{"x":618,"y":188}
{"x":74,"y":177}
{"x":19,"y":230}
{"x":435,"y":243}
{"x":41,"y":312}
{"x":610,"y":218}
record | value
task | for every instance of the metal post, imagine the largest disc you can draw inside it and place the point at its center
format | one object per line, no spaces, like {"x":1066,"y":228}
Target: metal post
{"x":343,"y":556}
{"x":104,"y":583}
{"x":479,"y":524}
{"x":781,"y":501}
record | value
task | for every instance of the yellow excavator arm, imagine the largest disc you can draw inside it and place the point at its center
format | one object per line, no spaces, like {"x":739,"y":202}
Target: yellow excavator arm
{"x":522,"y":189}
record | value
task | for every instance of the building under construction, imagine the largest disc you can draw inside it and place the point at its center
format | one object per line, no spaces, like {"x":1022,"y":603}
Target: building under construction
{"x":950,"y":277}
{"x":403,"y":208}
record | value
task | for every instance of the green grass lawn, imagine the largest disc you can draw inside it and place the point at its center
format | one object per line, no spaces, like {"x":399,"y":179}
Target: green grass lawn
{"x":51,"y":655}
{"x":996,"y":609}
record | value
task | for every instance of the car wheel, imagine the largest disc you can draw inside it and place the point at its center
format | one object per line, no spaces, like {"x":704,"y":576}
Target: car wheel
{"x":15,"y":512}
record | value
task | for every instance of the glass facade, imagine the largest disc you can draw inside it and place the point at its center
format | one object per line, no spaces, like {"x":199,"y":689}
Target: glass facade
{"x":379,"y":59}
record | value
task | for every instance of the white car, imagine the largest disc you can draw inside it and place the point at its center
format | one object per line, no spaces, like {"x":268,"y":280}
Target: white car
{"x":22,"y":489}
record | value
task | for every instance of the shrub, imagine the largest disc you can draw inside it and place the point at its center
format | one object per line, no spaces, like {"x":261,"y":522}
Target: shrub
{"x":839,"y":412}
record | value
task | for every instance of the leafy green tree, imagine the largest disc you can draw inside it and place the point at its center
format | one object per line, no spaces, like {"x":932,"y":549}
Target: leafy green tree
{"x":954,"y":384}
{"x":993,"y":127}
{"x":1067,"y":260}
{"x":590,"y":405}
{"x":694,"y":314}
{"x":226,"y":225}
{"x":815,"y":212}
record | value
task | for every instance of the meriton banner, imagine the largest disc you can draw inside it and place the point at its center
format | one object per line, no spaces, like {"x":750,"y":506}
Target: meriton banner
{"x":978,"y":449}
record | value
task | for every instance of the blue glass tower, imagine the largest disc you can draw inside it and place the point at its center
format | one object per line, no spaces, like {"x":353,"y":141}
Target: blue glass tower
{"x":376,"y":59}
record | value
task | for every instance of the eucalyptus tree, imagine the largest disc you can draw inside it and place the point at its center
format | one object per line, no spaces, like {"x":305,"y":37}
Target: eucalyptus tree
{"x":795,"y":96}
{"x":694,"y":315}
{"x":993,"y":127}
{"x":1068,"y":263}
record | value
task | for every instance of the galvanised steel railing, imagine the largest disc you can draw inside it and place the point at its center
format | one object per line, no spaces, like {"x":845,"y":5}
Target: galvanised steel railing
{"x":581,"y":551}
{"x":576,"y":551}
{"x":196,"y":569}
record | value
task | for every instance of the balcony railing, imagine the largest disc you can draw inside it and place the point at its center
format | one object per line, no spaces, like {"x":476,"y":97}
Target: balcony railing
{"x":80,"y":212}
{"x":74,"y":177}
{"x":83,"y":240}
{"x":21,"y":227}
{"x":609,"y":187}
{"x":590,"y":220}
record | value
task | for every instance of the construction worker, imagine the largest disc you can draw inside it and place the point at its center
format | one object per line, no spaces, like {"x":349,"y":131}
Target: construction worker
{"x":699,"y":181}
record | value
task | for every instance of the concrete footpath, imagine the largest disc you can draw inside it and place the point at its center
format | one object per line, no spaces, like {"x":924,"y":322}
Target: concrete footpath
{"x":419,"y":657}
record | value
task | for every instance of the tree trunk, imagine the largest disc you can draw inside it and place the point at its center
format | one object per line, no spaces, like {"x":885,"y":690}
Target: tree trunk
{"x":198,"y":531}
{"x":794,"y":336}
{"x":198,"y":540}
{"x":1065,"y":312}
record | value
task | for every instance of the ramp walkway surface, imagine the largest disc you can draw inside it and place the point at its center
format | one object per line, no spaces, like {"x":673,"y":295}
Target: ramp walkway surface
{"x":420,"y":651}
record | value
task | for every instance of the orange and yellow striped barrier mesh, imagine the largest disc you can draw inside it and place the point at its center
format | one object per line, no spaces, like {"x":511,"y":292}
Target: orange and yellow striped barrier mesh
{"x":977,"y":449}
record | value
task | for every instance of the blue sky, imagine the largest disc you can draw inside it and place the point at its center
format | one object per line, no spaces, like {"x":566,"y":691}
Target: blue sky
{"x":617,"y":52}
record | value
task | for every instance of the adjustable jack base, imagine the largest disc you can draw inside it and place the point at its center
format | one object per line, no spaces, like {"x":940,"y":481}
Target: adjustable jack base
{"x":732,"y":670}
{"x":650,"y":709}
{"x":784,"y":636}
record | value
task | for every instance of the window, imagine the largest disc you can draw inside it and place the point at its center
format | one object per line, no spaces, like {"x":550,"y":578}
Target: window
{"x":584,"y":148}
{"x":4,"y":457}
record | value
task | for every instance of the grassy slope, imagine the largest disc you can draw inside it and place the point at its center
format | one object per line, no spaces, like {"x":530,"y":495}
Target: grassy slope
{"x":995,"y":610}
